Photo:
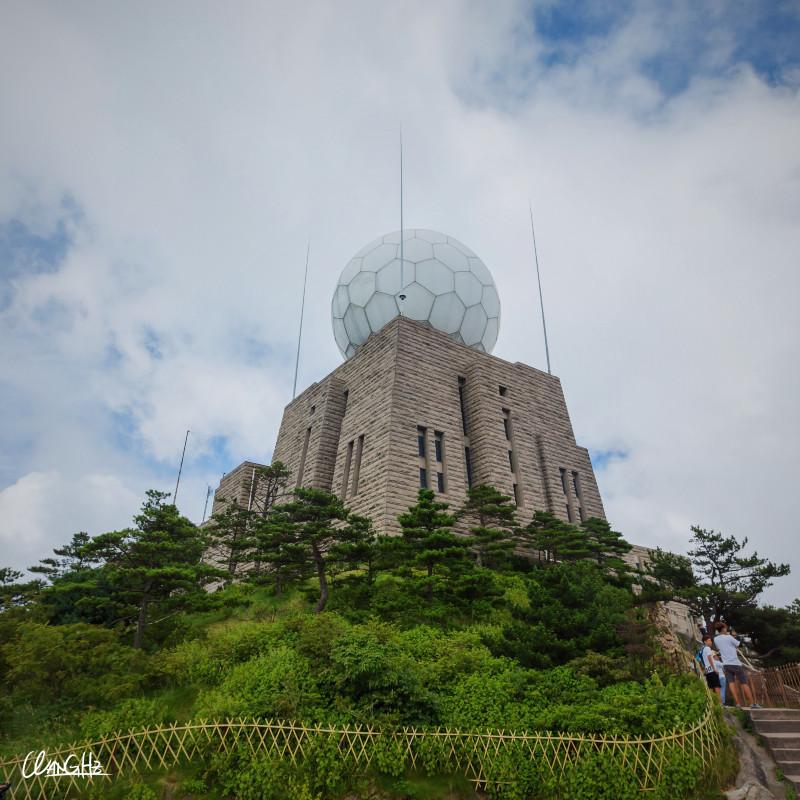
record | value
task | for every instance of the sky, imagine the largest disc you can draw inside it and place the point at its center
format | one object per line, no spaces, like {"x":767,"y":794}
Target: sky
{"x":164,"y":165}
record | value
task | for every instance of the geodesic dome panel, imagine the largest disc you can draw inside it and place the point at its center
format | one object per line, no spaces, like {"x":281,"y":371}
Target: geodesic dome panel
{"x":440,"y":282}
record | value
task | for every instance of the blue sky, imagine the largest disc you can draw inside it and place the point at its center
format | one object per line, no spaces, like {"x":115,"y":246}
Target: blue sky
{"x":765,"y":35}
{"x":157,"y":194}
{"x":25,"y":251}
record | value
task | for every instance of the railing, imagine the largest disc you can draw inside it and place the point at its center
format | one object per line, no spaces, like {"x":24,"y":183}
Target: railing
{"x":777,"y":687}
{"x":486,"y":758}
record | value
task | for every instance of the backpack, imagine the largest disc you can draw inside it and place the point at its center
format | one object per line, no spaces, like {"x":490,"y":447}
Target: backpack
{"x":698,"y":657}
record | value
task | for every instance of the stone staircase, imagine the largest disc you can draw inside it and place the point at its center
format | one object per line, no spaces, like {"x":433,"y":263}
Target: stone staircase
{"x":780,"y":730}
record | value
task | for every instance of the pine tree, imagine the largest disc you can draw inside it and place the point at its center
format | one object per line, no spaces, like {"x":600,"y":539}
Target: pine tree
{"x":231,"y":538}
{"x":74,"y":559}
{"x":495,"y":516}
{"x":235,"y":532}
{"x":729,"y":579}
{"x":606,"y":547}
{"x":558,"y":540}
{"x":13,"y":592}
{"x":303,"y":535}
{"x":269,"y":487}
{"x":355,"y":548}
{"x":428,"y":540}
{"x":155,"y":563}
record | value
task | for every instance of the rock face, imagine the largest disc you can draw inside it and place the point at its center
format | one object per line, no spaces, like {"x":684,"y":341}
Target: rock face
{"x":667,"y":634}
{"x":750,"y":791}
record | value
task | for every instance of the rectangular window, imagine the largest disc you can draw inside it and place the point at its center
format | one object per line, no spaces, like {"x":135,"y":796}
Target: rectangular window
{"x":576,"y":484}
{"x":564,"y":480}
{"x":516,"y":495}
{"x":503,"y":391}
{"x":468,"y":464}
{"x":357,"y":465}
{"x":507,"y":428}
{"x":440,"y":481}
{"x":438,"y":442}
{"x":301,"y":469}
{"x":511,"y":460}
{"x":348,"y":459}
{"x":461,"y":383}
{"x":423,"y":478}
{"x":421,"y":441}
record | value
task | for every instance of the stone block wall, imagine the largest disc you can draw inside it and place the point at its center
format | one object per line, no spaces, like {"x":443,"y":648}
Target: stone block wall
{"x":355,"y":433}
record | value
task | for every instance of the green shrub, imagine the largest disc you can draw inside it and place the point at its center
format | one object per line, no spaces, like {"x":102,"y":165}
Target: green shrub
{"x":240,"y":775}
{"x":602,"y":669}
{"x":130,"y":714}
{"x":680,"y":777}
{"x":371,"y":670}
{"x":599,"y":776}
{"x":194,"y":786}
{"x":388,"y":756}
{"x":140,"y":791}
{"x":72,"y":666}
{"x":316,"y":637}
{"x":274,"y":685}
{"x":207,"y":661}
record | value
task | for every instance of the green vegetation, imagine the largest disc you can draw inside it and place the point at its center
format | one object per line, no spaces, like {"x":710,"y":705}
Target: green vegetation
{"x":319,"y":620}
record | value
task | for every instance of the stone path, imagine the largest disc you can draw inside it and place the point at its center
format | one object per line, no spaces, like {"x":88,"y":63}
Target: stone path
{"x":780,"y":730}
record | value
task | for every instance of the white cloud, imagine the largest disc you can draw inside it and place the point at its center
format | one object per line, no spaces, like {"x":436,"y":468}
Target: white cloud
{"x":204,"y":147}
{"x":44,"y":509}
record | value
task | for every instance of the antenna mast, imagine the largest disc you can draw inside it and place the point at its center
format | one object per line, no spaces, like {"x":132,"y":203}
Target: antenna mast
{"x":205,"y":507}
{"x":180,"y":469}
{"x":539,"y":281}
{"x":300,"y":332}
{"x":402,"y":259}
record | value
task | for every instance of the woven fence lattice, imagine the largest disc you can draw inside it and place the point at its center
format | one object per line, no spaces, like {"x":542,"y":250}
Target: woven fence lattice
{"x":777,"y":687}
{"x":474,"y":754}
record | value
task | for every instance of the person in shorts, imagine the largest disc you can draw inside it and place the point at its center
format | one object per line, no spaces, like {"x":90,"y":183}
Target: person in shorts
{"x":710,"y":665}
{"x":728,"y":647}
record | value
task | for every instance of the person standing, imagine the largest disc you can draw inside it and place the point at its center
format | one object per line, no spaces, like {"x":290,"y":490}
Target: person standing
{"x":723,"y":681}
{"x":710,"y":666}
{"x":735,"y":674}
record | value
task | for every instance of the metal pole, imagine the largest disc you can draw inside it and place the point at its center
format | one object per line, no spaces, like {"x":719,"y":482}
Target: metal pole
{"x":541,"y":299}
{"x":180,"y":469}
{"x":300,"y":332}
{"x":402,"y":258}
{"x":205,"y":507}
{"x":252,"y":489}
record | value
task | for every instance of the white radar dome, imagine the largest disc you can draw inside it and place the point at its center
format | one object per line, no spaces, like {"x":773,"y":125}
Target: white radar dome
{"x":440,"y":282}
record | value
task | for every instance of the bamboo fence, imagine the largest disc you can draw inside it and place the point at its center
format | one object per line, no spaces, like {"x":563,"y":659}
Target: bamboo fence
{"x":474,"y":754}
{"x":777,"y":687}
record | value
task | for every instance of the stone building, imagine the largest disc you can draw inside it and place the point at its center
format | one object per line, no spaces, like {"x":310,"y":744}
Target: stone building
{"x":414,"y":408}
{"x":419,"y":400}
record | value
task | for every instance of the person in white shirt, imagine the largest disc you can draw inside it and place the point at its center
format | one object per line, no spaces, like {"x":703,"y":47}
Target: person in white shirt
{"x":710,"y":666}
{"x":735,"y":673}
